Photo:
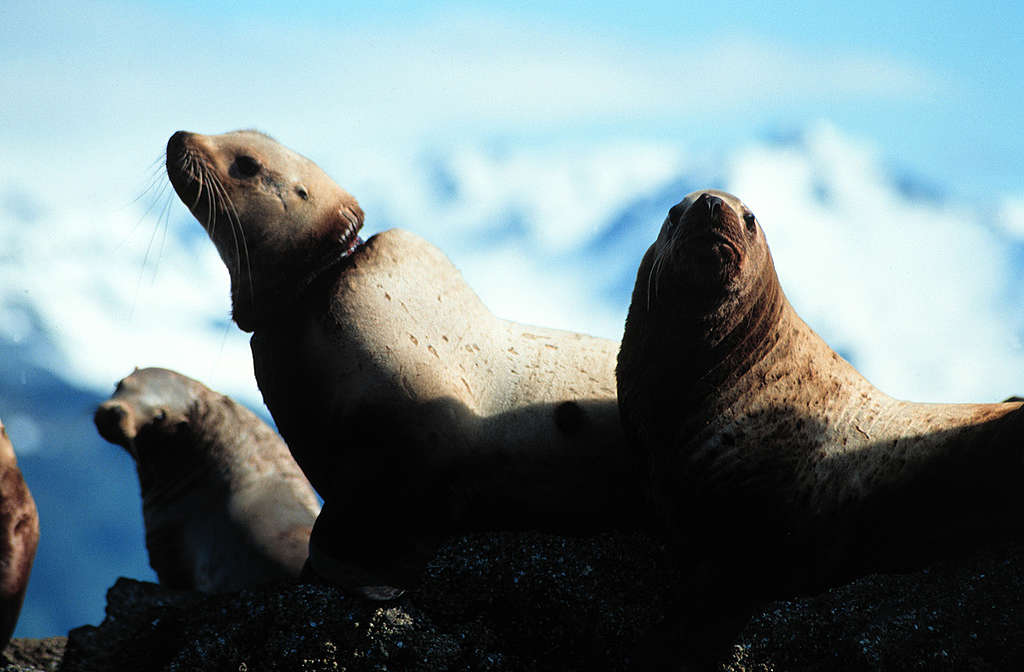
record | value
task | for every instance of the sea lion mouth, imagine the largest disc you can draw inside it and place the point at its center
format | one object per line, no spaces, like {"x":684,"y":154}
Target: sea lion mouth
{"x":706,"y":245}
{"x":708,"y":233}
{"x":350,"y":241}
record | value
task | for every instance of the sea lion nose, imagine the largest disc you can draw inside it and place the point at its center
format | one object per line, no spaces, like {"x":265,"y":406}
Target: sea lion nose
{"x":111,"y":422}
{"x":175,"y":142}
{"x":713,"y":204}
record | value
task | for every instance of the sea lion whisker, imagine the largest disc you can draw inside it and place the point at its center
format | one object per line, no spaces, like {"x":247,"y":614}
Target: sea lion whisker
{"x":198,"y":177}
{"x":155,"y":182}
{"x":655,"y":276}
{"x":231,"y":212}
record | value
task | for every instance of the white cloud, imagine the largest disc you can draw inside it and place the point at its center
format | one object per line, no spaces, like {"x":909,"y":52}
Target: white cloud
{"x":1011,"y":216}
{"x":114,"y":294}
{"x":920,"y":294}
{"x":562,"y":195}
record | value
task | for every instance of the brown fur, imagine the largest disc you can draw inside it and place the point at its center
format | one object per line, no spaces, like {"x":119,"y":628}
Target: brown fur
{"x":19,"y":523}
{"x":773,"y":462}
{"x":224,"y":504}
{"x":414,"y":411}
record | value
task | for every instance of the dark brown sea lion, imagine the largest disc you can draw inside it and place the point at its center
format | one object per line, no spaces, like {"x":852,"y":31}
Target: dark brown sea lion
{"x":225,"y":505}
{"x":414,"y":411}
{"x":776,"y":467}
{"x":19,"y":536}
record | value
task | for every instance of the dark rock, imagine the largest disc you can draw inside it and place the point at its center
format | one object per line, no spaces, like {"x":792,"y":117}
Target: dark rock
{"x":33,"y":655}
{"x":538,"y":602}
{"x":955,"y":615}
{"x":487,"y":602}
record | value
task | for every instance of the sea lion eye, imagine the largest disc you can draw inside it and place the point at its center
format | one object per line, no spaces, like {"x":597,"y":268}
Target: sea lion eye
{"x":301,"y":191}
{"x":247,"y":166}
{"x":751,"y":221}
{"x":160,"y":415}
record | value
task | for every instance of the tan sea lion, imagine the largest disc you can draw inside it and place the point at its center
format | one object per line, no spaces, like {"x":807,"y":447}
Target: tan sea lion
{"x":413,"y":410}
{"x":776,"y":467}
{"x":225,"y":505}
{"x":19,"y":536}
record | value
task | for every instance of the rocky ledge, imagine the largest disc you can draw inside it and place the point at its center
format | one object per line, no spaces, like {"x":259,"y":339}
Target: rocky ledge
{"x":539,"y":602}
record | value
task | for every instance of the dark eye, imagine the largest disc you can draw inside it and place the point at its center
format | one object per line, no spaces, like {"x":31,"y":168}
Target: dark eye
{"x":160,"y":415}
{"x":303,"y":194}
{"x":751,"y":222}
{"x":247,"y":166}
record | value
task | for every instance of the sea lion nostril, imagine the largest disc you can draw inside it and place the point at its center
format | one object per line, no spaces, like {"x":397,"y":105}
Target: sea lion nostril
{"x":714,"y":205}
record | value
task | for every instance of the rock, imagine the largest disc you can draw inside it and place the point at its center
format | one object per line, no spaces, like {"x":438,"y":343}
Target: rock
{"x":965,"y":614}
{"x":540,"y":602}
{"x":33,"y":655}
{"x":487,"y":602}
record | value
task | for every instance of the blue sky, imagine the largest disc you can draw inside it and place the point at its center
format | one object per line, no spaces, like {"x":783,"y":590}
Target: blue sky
{"x":936,"y":85}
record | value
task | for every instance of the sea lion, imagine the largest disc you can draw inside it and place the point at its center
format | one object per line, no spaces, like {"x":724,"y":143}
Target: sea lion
{"x":19,"y":536}
{"x":776,"y":467}
{"x":224,"y":504}
{"x":414,"y":411}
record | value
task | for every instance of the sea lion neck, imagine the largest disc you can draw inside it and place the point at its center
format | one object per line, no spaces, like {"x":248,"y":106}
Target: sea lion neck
{"x":716,"y":345}
{"x":703,"y":355}
{"x":260,"y":303}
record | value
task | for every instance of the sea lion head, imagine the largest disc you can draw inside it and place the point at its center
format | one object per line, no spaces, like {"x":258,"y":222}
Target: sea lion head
{"x":156,"y":416}
{"x":710,"y":247}
{"x":276,"y":218}
{"x":148,"y":401}
{"x":706,"y":297}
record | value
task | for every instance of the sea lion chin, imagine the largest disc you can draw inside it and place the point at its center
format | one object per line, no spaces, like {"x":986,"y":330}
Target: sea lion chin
{"x":773,"y":462}
{"x":415,"y":412}
{"x":234,"y":182}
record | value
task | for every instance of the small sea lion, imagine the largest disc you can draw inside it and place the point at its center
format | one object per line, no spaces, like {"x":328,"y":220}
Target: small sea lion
{"x":19,"y":536}
{"x":225,"y":505}
{"x":775,"y":466}
{"x":414,"y":411}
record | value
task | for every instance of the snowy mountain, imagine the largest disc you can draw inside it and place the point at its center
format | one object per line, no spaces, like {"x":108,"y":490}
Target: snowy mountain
{"x":921,"y":291}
